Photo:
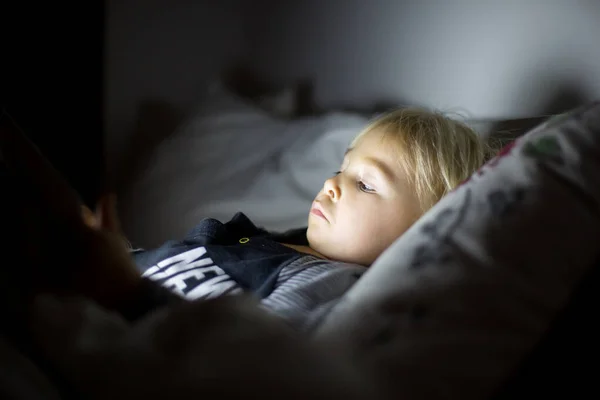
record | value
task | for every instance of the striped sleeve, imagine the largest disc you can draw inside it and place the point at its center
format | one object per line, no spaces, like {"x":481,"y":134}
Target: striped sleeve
{"x":308,"y":287}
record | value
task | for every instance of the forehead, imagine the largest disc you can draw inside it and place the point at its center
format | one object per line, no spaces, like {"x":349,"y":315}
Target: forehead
{"x":377,"y":145}
{"x":381,"y":150}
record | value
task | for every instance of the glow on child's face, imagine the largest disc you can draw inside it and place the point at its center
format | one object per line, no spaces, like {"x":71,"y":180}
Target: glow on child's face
{"x":361,"y":210}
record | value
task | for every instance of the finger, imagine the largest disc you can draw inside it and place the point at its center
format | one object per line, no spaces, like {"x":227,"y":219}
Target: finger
{"x":107,"y":215}
{"x":89,"y":218}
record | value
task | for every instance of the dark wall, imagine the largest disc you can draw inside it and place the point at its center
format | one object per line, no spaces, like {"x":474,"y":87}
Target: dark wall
{"x":165,"y":51}
{"x":51,"y":73}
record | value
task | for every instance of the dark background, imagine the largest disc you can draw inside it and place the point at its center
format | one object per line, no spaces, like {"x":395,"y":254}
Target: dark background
{"x":51,"y":68}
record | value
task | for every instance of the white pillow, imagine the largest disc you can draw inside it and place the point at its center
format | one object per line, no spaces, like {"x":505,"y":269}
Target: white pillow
{"x":231,"y":156}
{"x":282,"y":194}
{"x":453,"y":306}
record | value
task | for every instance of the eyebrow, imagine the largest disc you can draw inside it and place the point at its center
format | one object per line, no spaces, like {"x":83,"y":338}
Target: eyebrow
{"x":381,"y":167}
{"x":385,"y":171}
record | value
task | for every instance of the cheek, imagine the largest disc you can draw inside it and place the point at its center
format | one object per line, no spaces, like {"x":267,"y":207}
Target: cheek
{"x":380,"y":225}
{"x":360,"y":224}
{"x":402,"y":219}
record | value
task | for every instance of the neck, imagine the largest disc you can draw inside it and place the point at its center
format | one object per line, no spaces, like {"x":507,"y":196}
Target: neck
{"x":305,"y":249}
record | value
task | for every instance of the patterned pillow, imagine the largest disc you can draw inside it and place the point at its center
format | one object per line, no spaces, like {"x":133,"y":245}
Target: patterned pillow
{"x":454,"y":306}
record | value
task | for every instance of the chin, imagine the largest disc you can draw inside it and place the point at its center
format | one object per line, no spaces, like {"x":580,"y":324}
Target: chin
{"x":312,"y":236}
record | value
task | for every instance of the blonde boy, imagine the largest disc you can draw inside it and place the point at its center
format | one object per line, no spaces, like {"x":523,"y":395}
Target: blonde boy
{"x":394,"y":170}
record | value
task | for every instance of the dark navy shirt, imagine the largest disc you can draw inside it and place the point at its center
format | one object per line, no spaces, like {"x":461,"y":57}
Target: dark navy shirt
{"x":216,"y":259}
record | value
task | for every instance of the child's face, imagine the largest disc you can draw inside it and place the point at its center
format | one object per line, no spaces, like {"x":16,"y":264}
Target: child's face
{"x":363,"y":209}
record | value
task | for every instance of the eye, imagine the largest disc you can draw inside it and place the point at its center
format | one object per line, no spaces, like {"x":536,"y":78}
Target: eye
{"x":363,"y":187}
{"x":336,"y":173}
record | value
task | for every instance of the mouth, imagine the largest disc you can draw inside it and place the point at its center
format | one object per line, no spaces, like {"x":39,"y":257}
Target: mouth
{"x":316,"y":210}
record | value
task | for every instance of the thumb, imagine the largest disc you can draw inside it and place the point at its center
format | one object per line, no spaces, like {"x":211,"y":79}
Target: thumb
{"x":89,"y":218}
{"x":106,"y":213}
{"x":107,"y":217}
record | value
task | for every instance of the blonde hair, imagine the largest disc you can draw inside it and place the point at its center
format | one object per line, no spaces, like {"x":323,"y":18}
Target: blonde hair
{"x":436,"y":152}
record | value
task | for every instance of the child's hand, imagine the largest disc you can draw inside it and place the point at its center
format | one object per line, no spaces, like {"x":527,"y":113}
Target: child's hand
{"x":104,"y":217}
{"x":58,"y":249}
{"x":89,"y":256}
{"x":111,"y":264}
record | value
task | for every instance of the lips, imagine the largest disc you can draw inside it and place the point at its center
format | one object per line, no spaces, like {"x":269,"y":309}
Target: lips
{"x":318,"y":211}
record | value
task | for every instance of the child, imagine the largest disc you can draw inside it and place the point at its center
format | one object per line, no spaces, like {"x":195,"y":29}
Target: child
{"x":394,"y":171}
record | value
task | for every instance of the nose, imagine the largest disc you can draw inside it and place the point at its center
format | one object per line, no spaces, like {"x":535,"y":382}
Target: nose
{"x":332,"y":189}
